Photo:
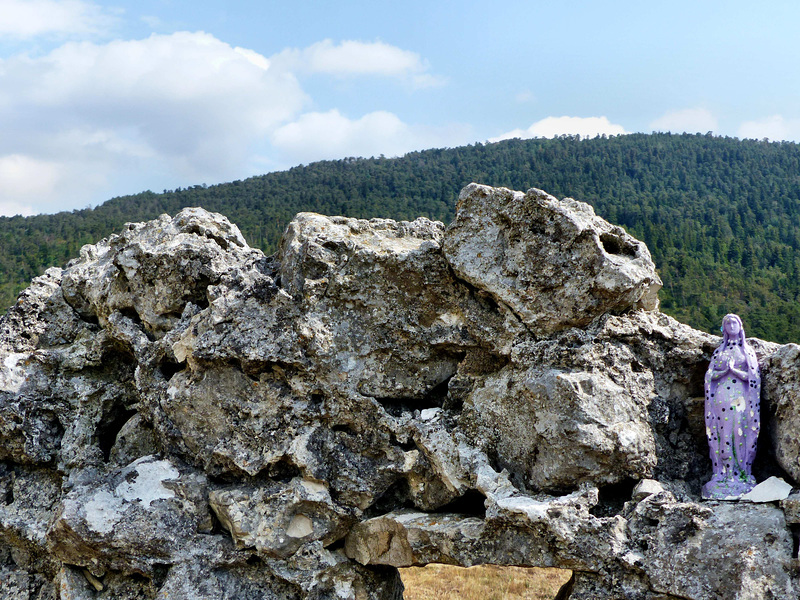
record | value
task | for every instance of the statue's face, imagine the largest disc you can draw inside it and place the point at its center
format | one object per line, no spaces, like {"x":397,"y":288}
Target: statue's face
{"x":732,"y":326}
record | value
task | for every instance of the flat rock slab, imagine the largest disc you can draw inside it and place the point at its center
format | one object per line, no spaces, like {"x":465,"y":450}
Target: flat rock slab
{"x":770,"y":490}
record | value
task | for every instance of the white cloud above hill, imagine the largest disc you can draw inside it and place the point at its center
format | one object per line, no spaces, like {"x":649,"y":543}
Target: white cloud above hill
{"x":331,"y":135}
{"x":776,"y":127}
{"x":553,"y":126}
{"x":687,"y":120}
{"x":187,"y":101}
{"x":183,"y":107}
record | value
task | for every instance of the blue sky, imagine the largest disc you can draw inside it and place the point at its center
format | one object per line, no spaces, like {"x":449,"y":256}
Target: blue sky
{"x":99,"y":99}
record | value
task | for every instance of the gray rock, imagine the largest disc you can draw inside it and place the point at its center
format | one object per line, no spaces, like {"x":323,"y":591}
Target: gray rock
{"x":384,"y":316}
{"x":791,"y":508}
{"x":781,"y":395}
{"x":28,"y":499}
{"x":621,"y":398}
{"x":657,"y":548}
{"x":686,"y":549}
{"x":182,"y":417}
{"x":645,"y":488}
{"x":151,"y":271}
{"x":148,"y":513}
{"x":554,"y":262}
{"x":79,"y":584}
{"x":278,"y":519}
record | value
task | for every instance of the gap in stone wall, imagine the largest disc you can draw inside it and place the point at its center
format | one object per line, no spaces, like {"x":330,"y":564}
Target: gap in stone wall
{"x":482,"y":582}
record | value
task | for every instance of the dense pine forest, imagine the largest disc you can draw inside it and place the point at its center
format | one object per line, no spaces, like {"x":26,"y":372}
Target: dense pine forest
{"x":721,"y":216}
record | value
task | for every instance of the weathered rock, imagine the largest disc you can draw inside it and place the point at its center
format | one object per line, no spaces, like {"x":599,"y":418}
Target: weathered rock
{"x":28,"y":497}
{"x":79,"y":584}
{"x":554,"y":262}
{"x":781,"y":392}
{"x":655,"y":548}
{"x":537,"y":420}
{"x":41,"y":318}
{"x":791,"y":508}
{"x":182,"y":417}
{"x":621,"y":398}
{"x":145,"y":514}
{"x":405,"y":538}
{"x":686,"y":549}
{"x":389,"y":320}
{"x":280,"y":518}
{"x":434,"y":470}
{"x":151,"y":271}
{"x":368,"y":322}
{"x":20,"y":584}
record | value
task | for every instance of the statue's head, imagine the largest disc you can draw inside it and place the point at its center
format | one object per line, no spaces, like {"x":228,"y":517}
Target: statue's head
{"x":732,"y":326}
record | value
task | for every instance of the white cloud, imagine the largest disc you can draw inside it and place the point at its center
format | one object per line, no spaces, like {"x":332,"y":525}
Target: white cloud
{"x":776,"y":128}
{"x":25,"y":177}
{"x":329,"y":135}
{"x":360,"y":58}
{"x":688,"y":120}
{"x":11,"y":209}
{"x":253,"y":57}
{"x":29,"y":18}
{"x":185,"y":104}
{"x":91,"y":120}
{"x":23,"y":180}
{"x":332,"y":135}
{"x":355,"y":58}
{"x":553,"y":126}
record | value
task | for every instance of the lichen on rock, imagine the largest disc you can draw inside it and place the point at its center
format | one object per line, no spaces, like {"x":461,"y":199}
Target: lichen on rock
{"x":183,"y":417}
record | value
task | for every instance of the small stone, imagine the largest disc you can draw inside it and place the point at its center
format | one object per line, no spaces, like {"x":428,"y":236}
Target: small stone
{"x":429,"y":413}
{"x":771,"y":490}
{"x":645,"y":488}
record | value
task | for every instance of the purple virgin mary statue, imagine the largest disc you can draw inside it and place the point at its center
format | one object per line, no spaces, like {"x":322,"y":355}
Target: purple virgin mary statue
{"x":733,"y":390}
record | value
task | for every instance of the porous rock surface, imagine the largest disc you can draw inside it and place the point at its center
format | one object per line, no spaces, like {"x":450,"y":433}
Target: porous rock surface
{"x":554,"y":262}
{"x":182,"y":417}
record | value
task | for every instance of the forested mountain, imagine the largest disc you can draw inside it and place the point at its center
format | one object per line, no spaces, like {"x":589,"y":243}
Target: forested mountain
{"x":721,"y":216}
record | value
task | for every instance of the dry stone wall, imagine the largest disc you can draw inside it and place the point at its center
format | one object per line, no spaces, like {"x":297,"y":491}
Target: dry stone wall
{"x":182,"y":417}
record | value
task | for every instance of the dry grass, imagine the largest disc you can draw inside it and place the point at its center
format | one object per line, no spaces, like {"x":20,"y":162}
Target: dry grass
{"x":484,"y":582}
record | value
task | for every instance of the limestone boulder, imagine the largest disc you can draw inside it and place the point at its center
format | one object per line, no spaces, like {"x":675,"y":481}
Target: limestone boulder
{"x":539,"y":421}
{"x":277,"y":519}
{"x":151,"y":271}
{"x":381,"y":304}
{"x":619,"y":399}
{"x":56,"y":403}
{"x":148,"y":513}
{"x":781,"y":396}
{"x":358,"y":325}
{"x":553,"y":262}
{"x":655,"y":548}
{"x":29,"y":498}
{"x":686,"y":549}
